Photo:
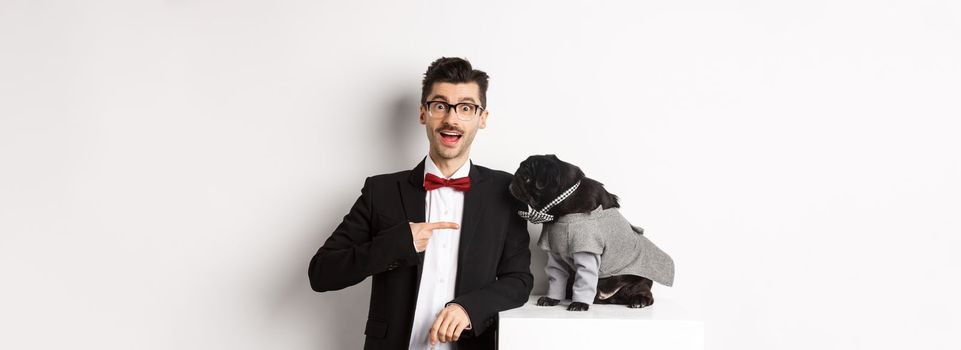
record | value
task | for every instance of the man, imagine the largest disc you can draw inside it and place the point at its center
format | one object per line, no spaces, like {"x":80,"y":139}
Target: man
{"x":442,"y":241}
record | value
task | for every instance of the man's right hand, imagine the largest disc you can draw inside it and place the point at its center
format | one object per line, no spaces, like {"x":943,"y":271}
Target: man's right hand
{"x":423,"y":230}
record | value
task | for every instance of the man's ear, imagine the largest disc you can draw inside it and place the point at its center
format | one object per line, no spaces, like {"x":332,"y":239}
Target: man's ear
{"x":423,"y":115}
{"x":483,"y":120}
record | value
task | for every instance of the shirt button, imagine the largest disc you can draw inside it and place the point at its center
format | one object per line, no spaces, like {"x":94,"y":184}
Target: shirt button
{"x":441,"y":280}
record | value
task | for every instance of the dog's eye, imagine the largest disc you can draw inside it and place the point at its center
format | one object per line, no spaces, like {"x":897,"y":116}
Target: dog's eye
{"x":527,"y":180}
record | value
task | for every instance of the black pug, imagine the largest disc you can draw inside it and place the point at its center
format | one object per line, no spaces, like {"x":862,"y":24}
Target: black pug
{"x":586,"y":237}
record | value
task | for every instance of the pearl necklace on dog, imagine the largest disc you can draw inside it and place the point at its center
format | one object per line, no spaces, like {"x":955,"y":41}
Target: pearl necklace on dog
{"x":541,"y":216}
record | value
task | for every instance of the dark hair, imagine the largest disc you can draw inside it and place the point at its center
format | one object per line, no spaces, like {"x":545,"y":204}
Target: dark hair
{"x":454,"y":70}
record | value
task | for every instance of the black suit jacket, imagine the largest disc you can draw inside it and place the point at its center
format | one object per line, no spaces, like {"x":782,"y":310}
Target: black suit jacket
{"x":374,"y":239}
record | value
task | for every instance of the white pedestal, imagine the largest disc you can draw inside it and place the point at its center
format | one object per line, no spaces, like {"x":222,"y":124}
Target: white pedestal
{"x":664,"y":325}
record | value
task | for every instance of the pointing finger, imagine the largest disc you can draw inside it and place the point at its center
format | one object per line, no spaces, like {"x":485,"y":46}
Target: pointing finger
{"x":441,"y":225}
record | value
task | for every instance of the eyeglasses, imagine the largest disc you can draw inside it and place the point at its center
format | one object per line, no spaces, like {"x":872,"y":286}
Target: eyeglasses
{"x":464,"y":111}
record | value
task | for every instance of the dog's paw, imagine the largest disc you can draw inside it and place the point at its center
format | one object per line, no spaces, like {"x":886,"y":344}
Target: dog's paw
{"x":545,"y":301}
{"x":637,"y":302}
{"x":578,"y":306}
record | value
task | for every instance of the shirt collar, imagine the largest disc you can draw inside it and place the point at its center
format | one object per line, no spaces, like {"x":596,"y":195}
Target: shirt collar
{"x":430,"y":167}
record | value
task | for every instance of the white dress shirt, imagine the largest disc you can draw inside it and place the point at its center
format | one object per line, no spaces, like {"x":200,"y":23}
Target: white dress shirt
{"x":440,"y":259}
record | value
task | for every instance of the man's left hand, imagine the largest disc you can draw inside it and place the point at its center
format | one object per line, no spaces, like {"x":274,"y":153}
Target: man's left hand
{"x":450,"y":322}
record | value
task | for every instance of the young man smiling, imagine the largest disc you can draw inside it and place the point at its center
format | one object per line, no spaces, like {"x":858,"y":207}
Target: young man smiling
{"x":442,"y":241}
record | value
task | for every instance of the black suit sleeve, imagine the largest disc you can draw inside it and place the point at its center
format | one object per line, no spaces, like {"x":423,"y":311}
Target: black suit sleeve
{"x":514,"y":280}
{"x":353,"y":252}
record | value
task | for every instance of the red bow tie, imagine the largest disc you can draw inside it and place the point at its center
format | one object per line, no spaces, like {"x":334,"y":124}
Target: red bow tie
{"x":432,"y":182}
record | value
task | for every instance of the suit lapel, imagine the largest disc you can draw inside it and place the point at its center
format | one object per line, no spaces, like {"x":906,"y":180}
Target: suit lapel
{"x":413,"y":196}
{"x":474,"y":201}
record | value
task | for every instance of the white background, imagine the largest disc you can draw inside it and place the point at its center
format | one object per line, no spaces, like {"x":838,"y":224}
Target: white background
{"x":168,"y":168}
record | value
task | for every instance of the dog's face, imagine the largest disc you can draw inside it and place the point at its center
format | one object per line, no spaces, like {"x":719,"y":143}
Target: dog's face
{"x":541,"y":178}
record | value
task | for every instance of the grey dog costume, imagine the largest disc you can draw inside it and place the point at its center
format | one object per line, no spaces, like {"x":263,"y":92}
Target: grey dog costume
{"x":595,"y":245}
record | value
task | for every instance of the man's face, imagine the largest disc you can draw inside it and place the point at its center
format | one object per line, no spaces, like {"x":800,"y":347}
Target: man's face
{"x":449,"y":136}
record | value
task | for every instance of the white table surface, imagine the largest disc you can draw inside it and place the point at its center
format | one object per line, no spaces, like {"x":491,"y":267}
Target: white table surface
{"x":664,"y":325}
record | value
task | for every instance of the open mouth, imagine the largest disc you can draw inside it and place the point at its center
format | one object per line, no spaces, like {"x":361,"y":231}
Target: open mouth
{"x":450,"y":138}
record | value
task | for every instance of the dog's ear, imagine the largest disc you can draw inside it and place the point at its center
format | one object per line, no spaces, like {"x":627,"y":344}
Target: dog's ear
{"x":558,"y":177}
{"x":551,"y":172}
{"x":541,"y":181}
